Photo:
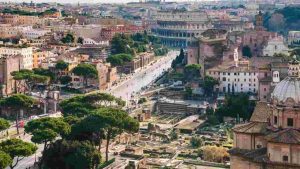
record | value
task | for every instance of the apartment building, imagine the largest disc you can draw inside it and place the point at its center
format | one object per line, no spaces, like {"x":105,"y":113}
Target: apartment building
{"x":24,"y":51}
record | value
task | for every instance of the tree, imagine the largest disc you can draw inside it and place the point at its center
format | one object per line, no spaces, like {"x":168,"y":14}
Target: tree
{"x":179,"y":59}
{"x":115,"y":122}
{"x":71,"y":154}
{"x":214,"y":153}
{"x":246,"y":51}
{"x":69,"y":38}
{"x":5,"y":160}
{"x":121,"y":43}
{"x":208,"y":85}
{"x":65,"y":79}
{"x":87,"y":71}
{"x":173,"y":135}
{"x":80,"y":40}
{"x":44,"y":72}
{"x":61,"y":65}
{"x":18,"y":149}
{"x":4,"y":124}
{"x":188,"y":92}
{"x":119,"y":59}
{"x":17,"y":103}
{"x":142,"y":100}
{"x":196,"y":142}
{"x":29,"y":77}
{"x":236,"y":106}
{"x":191,"y":72}
{"x":46,"y":129}
{"x":82,"y":105}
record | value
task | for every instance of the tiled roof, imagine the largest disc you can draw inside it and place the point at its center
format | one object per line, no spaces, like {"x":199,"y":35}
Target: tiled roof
{"x":251,"y":128}
{"x":257,"y":155}
{"x":261,"y":112}
{"x":287,"y":136}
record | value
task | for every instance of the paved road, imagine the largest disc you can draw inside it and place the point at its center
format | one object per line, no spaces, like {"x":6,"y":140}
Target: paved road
{"x":124,"y":90}
{"x":144,"y":77}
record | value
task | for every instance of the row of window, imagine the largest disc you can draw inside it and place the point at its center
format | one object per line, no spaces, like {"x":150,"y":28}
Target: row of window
{"x":235,"y":73}
{"x":290,"y":121}
{"x":237,"y":80}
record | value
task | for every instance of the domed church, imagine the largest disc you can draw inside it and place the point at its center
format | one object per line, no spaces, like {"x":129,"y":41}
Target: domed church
{"x":271,"y":140}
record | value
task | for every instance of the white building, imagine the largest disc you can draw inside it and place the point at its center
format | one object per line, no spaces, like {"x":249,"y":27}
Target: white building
{"x":90,"y":41}
{"x":34,"y":33}
{"x":25,"y":52}
{"x":236,"y":79}
{"x":275,"y":45}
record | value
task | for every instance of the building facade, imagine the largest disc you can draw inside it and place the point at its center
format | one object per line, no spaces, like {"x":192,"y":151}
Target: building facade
{"x":271,"y":139}
{"x":8,"y":64}
{"x":177,"y":28}
{"x":25,"y":52}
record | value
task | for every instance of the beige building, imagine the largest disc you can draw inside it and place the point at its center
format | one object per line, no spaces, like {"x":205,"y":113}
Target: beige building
{"x":8,"y":64}
{"x":271,"y":139}
{"x":20,"y":19}
{"x":107,"y":75}
{"x":25,"y":52}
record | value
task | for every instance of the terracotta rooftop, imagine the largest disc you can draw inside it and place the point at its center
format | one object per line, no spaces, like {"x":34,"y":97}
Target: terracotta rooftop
{"x":287,"y":136}
{"x":261,"y":112}
{"x":258,"y":155}
{"x":251,"y":128}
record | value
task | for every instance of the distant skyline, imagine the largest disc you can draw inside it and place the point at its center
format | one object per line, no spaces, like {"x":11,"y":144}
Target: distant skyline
{"x":86,"y":1}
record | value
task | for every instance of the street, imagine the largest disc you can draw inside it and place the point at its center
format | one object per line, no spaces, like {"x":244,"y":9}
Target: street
{"x":143,"y":77}
{"x":124,"y":90}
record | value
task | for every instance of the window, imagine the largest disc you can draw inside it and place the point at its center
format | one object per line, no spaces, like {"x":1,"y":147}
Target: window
{"x":290,"y":122}
{"x":258,"y":146}
{"x":285,"y":158}
{"x":224,"y":79}
{"x":275,"y":120}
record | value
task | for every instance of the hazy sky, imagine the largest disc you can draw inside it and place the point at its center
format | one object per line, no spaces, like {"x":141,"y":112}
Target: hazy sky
{"x":82,"y":1}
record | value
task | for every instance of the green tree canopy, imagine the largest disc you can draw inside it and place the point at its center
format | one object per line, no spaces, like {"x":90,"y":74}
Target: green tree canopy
{"x":119,"y":59}
{"x":65,"y":79}
{"x":86,"y":71}
{"x":191,"y":72}
{"x":72,"y":154}
{"x":179,"y":60}
{"x":47,"y":129}
{"x":61,"y":65}
{"x":69,"y":38}
{"x":5,"y":160}
{"x":115,"y":121}
{"x":17,"y":102}
{"x":30,"y":77}
{"x":17,"y":148}
{"x":246,"y":51}
{"x":4,"y":124}
{"x":44,"y":72}
{"x":208,"y":85}
{"x":121,"y":43}
{"x":82,"y":105}
{"x":235,"y":106}
{"x":196,"y":142}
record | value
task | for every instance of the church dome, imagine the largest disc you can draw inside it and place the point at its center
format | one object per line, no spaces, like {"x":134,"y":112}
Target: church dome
{"x":287,"y":92}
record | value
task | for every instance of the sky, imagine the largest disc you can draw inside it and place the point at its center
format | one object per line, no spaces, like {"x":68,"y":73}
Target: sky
{"x":83,"y":1}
